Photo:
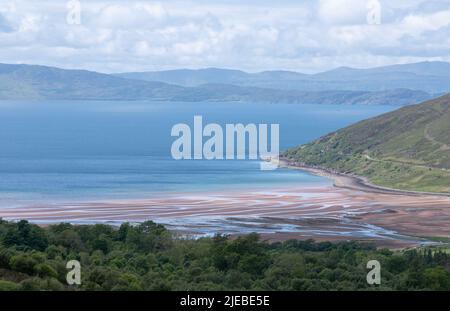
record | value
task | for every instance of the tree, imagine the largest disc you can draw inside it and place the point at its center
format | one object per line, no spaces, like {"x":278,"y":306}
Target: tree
{"x":23,"y":263}
{"x":437,"y":278}
{"x":8,"y":286}
{"x":70,"y":239}
{"x":44,"y":271}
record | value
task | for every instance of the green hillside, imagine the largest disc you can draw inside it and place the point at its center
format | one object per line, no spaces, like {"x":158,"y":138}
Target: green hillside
{"x":405,"y":149}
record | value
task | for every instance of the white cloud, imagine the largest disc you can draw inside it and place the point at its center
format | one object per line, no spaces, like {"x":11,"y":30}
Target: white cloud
{"x":342,"y":11}
{"x":252,"y":35}
{"x":136,"y":15}
{"x":417,"y":24}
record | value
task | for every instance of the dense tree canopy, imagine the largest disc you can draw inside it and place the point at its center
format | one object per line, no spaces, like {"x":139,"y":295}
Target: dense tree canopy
{"x":149,"y":257}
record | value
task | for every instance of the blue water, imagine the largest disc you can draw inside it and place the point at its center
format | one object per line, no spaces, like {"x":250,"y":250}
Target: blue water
{"x":97,"y":150}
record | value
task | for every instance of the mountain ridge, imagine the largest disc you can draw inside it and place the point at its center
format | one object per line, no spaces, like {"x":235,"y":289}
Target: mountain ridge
{"x":25,"y":82}
{"x":431,"y":77}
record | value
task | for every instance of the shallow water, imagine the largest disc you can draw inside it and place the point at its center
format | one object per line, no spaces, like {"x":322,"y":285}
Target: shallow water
{"x":85,"y":150}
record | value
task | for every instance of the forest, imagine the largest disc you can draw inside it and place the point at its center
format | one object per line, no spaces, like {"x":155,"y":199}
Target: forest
{"x":148,"y":257}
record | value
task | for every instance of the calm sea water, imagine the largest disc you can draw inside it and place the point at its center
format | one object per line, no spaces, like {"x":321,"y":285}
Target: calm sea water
{"x":84,"y":150}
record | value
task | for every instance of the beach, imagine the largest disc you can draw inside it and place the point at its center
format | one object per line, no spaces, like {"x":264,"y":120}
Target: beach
{"x":101,"y":166}
{"x":353,"y":182}
{"x":347,"y":210}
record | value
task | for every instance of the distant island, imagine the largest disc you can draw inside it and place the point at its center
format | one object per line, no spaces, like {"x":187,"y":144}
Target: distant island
{"x":393,"y":85}
{"x":406,"y":149}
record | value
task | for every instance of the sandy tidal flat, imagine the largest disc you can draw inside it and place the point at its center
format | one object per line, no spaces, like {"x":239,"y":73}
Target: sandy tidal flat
{"x":324,"y":212}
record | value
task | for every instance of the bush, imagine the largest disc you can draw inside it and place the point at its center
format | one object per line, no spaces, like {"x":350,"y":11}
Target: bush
{"x":23,"y":263}
{"x":147,"y":257}
{"x":8,"y":286}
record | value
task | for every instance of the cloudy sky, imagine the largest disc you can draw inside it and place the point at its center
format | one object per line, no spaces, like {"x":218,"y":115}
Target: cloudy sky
{"x":253,"y":35}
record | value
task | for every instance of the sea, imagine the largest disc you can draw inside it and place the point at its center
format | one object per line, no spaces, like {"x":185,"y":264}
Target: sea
{"x":54,"y":151}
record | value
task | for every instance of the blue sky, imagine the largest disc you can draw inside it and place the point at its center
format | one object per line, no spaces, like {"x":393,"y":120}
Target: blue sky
{"x":306,"y":36}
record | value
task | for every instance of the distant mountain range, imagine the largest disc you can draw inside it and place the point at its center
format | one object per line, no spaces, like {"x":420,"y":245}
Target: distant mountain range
{"x":405,"y":149}
{"x":41,"y":82}
{"x":430,"y":77}
{"x":340,"y":86}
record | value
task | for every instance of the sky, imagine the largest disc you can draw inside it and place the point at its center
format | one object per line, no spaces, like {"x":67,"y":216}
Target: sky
{"x":252,"y":35}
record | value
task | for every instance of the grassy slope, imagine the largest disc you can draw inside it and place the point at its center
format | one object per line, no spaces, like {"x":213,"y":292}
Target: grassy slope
{"x":405,"y":149}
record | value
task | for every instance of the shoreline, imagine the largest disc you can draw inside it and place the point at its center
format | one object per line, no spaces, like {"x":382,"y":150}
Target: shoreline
{"x":348,"y":210}
{"x":324,"y":213}
{"x":353,"y":182}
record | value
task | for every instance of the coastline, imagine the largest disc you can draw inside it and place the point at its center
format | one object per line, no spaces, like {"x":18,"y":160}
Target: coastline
{"x":298,"y":212}
{"x":353,"y":182}
{"x":348,"y":210}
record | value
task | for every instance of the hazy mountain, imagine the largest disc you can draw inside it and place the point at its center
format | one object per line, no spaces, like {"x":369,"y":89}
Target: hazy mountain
{"x":187,"y":77}
{"x":41,"y":82}
{"x":225,"y":92}
{"x":431,"y":77}
{"x":407,"y":149}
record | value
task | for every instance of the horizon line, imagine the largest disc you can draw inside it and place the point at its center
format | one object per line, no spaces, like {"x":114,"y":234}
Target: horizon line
{"x":224,"y":69}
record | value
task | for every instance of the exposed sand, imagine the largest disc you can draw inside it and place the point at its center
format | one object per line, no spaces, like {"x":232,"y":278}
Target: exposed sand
{"x":351,"y":209}
{"x":322,"y":213}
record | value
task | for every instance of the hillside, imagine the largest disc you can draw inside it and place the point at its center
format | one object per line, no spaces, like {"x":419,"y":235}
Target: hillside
{"x":42,"y":82}
{"x":405,"y":149}
{"x":430,"y":77}
{"x":30,"y":82}
{"x":189,"y":78}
